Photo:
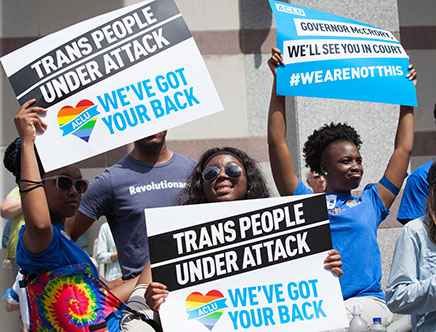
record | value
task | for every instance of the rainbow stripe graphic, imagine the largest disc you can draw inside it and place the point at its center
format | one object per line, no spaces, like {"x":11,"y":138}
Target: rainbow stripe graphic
{"x":207,"y":309}
{"x":79,"y":120}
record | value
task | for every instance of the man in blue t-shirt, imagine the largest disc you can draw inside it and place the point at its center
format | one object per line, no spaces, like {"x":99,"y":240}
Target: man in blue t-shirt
{"x":149,"y":176}
{"x":414,"y":202}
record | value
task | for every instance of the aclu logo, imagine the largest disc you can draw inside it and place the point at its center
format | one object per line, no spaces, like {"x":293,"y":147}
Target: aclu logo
{"x":206,"y":309}
{"x":290,"y":10}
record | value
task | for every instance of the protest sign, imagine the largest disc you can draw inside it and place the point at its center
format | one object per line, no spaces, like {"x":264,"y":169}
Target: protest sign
{"x":253,"y":265}
{"x":111,"y":80}
{"x":335,"y":57}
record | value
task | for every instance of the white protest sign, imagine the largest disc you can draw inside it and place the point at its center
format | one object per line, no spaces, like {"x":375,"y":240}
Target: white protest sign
{"x":251,"y":265}
{"x":111,"y":80}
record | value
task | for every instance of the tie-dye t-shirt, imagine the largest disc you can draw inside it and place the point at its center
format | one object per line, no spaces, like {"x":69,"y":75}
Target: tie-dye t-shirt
{"x":64,"y":291}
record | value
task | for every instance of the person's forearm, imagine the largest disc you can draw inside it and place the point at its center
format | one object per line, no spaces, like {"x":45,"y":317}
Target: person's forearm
{"x":123,"y":291}
{"x":405,"y":130}
{"x":145,"y":277}
{"x":38,"y":232}
{"x":396,"y":170}
{"x":276,"y":118}
{"x":11,"y":208}
{"x":281,"y":159}
{"x":417,"y":297}
{"x":34,"y":202}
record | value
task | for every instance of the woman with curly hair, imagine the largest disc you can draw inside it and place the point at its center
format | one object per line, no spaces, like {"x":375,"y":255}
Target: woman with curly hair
{"x":225,"y":174}
{"x":334,"y":151}
{"x":412,"y":288}
{"x":198,"y":190}
{"x":64,"y":291}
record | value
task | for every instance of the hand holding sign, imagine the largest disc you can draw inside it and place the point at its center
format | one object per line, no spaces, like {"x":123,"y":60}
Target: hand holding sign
{"x":333,"y":263}
{"x":412,"y":74}
{"x":275,"y":60}
{"x":155,"y":295}
{"x":28,"y":121}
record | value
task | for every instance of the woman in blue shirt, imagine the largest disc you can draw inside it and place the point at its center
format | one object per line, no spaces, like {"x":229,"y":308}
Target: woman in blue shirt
{"x":334,"y":151}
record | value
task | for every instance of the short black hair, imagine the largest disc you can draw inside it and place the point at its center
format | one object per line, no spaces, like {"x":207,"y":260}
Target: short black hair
{"x":256,"y":186}
{"x":12,"y":159}
{"x":318,"y":141}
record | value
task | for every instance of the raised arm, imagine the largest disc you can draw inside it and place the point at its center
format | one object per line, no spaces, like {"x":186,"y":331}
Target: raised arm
{"x":38,"y":233}
{"x":282,"y":162}
{"x":396,"y":170}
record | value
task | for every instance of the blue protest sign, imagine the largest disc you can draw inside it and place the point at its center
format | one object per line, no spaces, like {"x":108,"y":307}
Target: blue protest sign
{"x":330,"y":56}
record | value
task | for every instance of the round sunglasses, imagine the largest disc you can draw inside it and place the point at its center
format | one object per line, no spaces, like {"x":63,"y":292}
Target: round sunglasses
{"x":210,"y":173}
{"x":65,"y":183}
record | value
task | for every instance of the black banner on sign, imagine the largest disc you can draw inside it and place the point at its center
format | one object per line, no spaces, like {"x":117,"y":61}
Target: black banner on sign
{"x":313,"y":209}
{"x":244,"y":258}
{"x":26,"y":77}
{"x":84,"y":75}
{"x":246,"y":245}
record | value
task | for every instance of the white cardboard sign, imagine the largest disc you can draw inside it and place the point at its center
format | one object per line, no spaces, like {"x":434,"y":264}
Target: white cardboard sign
{"x":111,"y":80}
{"x":252,"y":265}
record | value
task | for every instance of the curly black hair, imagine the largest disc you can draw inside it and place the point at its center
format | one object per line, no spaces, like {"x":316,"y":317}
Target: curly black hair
{"x":256,"y":186}
{"x":322,"y":137}
{"x":12,"y":159}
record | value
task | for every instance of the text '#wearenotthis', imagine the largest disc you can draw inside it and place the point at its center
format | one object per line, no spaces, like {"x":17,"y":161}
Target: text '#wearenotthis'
{"x":329,"y":56}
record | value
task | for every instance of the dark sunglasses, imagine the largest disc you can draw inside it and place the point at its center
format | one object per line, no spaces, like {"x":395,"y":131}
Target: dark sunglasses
{"x":65,"y":183}
{"x":232,"y":170}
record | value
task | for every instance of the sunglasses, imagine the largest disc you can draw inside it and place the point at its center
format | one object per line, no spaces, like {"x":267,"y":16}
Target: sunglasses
{"x":232,"y":170}
{"x":65,"y":183}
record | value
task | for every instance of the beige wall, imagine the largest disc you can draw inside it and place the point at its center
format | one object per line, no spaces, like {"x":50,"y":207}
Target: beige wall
{"x":418,"y":35}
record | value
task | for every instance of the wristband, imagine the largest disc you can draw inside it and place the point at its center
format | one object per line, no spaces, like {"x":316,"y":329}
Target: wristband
{"x":26,"y":190}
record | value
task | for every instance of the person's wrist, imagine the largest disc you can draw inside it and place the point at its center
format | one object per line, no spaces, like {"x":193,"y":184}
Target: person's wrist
{"x":27,"y":141}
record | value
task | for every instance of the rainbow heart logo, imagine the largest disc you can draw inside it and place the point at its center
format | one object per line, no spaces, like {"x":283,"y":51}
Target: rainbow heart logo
{"x":79,"y":120}
{"x":207,"y":309}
